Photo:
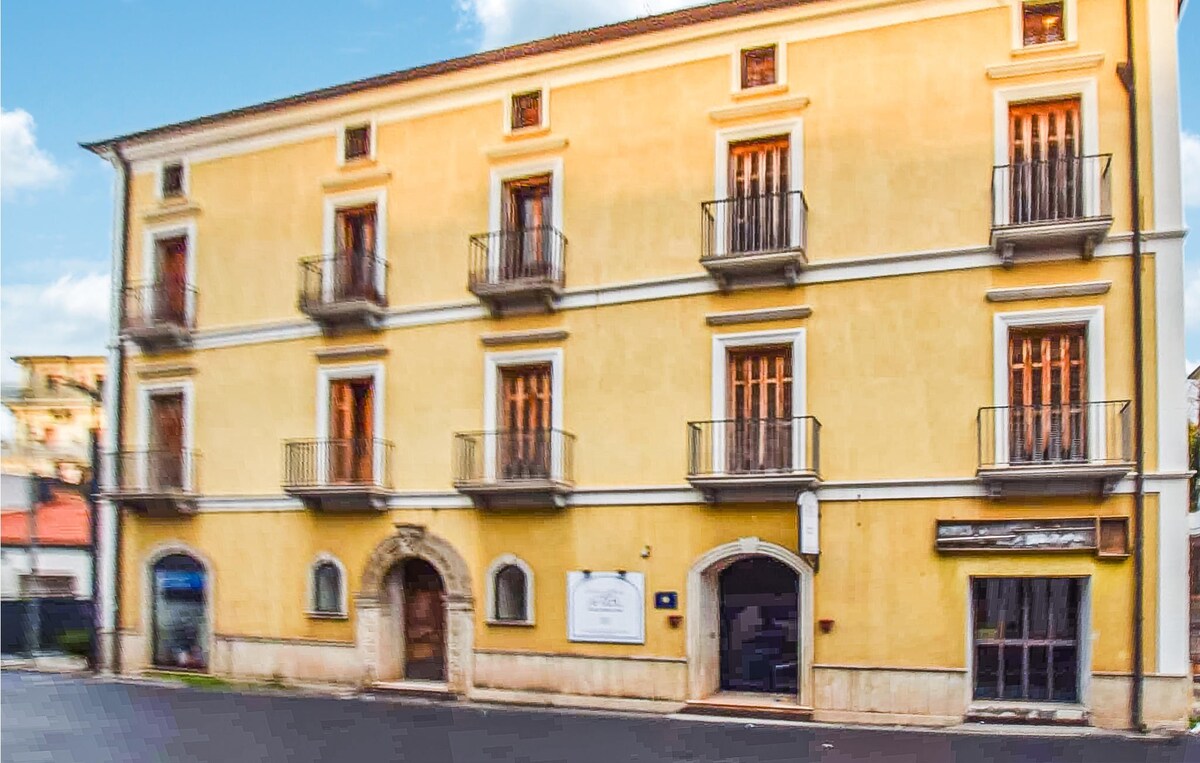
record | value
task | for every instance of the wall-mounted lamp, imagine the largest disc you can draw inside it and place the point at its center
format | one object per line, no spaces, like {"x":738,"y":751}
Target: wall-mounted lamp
{"x":825,"y":625}
{"x":674,"y":620}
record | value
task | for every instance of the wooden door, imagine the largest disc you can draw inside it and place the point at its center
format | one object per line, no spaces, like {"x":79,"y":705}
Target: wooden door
{"x":1048,"y":394}
{"x":351,"y":428}
{"x":526,"y":237}
{"x":424,"y":622}
{"x":354,"y":261}
{"x":526,"y":436}
{"x":759,"y":401}
{"x":164,"y":462}
{"x":758,"y":206}
{"x":170,"y":298}
{"x":1044,"y":148}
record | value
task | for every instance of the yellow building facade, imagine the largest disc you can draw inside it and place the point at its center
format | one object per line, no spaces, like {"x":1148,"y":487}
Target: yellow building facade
{"x":768,"y":355}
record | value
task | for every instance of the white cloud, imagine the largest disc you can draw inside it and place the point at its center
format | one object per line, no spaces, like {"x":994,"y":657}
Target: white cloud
{"x":1189,"y":158}
{"x":68,"y":316}
{"x":22,"y":163}
{"x":503,"y":22}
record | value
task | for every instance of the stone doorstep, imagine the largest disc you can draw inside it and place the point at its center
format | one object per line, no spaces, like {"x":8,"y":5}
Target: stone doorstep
{"x":434,"y":690}
{"x":747,"y":705}
{"x":46,"y":663}
{"x":1040,"y":713}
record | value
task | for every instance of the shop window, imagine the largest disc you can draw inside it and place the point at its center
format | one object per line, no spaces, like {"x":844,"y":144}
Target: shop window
{"x":1027,"y":638}
{"x":179,"y":627}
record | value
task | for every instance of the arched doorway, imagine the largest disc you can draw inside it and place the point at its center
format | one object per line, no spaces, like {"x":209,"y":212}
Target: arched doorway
{"x":750,"y":621}
{"x":179,"y":626}
{"x":759,"y":626}
{"x":414,"y":618}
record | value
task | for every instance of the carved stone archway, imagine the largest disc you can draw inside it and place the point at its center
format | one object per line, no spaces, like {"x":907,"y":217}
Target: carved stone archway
{"x":413,"y":542}
{"x":703,"y":604}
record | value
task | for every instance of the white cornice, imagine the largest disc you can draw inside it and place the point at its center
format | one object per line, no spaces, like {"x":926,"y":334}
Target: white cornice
{"x":515,"y":148}
{"x":1045,"y":65}
{"x":758,"y":108}
{"x":1053,"y":291}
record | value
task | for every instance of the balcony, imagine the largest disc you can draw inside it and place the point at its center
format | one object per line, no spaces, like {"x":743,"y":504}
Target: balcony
{"x":159,"y":315}
{"x":1071,"y":449}
{"x":159,"y":483}
{"x":514,"y":271}
{"x":1064,"y":202}
{"x":344,"y":292}
{"x":756,"y":239}
{"x":772,"y":459}
{"x":515,"y":468}
{"x":339,"y":475}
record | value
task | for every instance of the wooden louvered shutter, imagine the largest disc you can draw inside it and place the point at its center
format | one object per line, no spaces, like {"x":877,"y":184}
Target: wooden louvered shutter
{"x":758,"y":192}
{"x":1048,"y":394}
{"x":171,"y":298}
{"x":526,"y":403}
{"x":165,"y":460}
{"x":341,"y":428}
{"x":759,"y":409}
{"x":1044,"y":149}
{"x":364,"y":430}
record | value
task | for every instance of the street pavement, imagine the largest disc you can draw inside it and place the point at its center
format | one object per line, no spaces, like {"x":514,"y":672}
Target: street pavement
{"x":45,"y":717}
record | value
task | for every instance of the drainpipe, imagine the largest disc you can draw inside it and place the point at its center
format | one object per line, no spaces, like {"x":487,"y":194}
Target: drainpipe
{"x":114,"y":390}
{"x":1127,"y":76}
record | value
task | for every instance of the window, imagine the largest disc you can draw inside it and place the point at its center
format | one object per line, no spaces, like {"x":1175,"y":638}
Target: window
{"x":354,"y":266}
{"x":170,"y":288}
{"x":758,"y":217}
{"x":1047,"y":391}
{"x":758,"y":433}
{"x":327,"y":588}
{"x":1046,"y":178}
{"x":758,"y":66}
{"x":1026,"y":638}
{"x":1042,"y":21}
{"x":525,"y":419}
{"x":165,"y":457}
{"x":352,"y":430}
{"x":526,"y":110}
{"x":172,"y":180}
{"x":527,"y":236}
{"x":510,"y":594}
{"x":356,"y":144}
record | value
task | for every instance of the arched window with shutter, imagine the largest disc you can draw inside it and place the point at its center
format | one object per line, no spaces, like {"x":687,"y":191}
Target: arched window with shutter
{"x":327,"y":588}
{"x":510,"y":592}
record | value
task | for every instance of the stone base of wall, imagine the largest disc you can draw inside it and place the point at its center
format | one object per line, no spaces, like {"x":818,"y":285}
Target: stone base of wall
{"x":871,"y":695}
{"x":1166,"y":701}
{"x":586,"y":702}
{"x":654,"y":678}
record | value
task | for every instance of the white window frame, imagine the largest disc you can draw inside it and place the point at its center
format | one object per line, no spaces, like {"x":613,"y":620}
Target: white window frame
{"x":493,"y":363}
{"x":342,"y":161}
{"x":337,"y":202}
{"x":145,"y":392}
{"x":310,"y":608}
{"x":150,"y":238}
{"x":794,"y":129}
{"x":1070,"y":31}
{"x":779,"y":85}
{"x":500,"y":562}
{"x":721,"y":344}
{"x":158,"y":179}
{"x":328,"y":374}
{"x":1093,"y":318}
{"x":501,"y":175}
{"x":1005,"y":97}
{"x":541,"y":126}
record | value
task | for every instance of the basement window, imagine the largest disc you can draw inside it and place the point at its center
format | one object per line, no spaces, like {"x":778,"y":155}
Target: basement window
{"x":172,"y":180}
{"x":526,"y":110}
{"x":1042,"y":21}
{"x":758,"y":67}
{"x":357,"y":142}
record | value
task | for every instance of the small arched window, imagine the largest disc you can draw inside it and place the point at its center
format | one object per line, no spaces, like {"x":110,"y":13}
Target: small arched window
{"x":511,"y":600}
{"x":327,"y":588}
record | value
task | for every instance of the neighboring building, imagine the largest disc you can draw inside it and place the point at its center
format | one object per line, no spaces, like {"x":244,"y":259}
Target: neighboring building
{"x":53,"y":417}
{"x":862,"y":266}
{"x":64,"y":553}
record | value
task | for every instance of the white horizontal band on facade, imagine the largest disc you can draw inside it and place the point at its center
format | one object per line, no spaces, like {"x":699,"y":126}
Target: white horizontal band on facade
{"x":850,"y":269}
{"x":673,"y":495}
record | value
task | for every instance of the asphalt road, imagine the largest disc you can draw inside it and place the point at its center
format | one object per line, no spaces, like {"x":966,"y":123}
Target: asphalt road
{"x":56,"y":718}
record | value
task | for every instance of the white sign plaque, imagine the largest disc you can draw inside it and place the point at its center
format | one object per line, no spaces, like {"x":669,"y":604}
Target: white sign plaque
{"x":810,"y":523}
{"x":606,"y":607}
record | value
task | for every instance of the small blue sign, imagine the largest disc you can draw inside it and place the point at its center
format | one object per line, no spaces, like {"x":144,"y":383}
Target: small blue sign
{"x":180,"y":580}
{"x":666,"y":600}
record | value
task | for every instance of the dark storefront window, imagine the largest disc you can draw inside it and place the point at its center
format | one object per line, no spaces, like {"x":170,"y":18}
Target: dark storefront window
{"x":1027,"y":638}
{"x":180,"y":627}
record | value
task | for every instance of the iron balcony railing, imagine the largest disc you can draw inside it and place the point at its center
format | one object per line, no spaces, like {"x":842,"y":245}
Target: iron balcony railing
{"x":156,"y":471}
{"x":733,"y":447}
{"x":749,"y":225}
{"x":514,"y":455}
{"x":334,"y":463}
{"x":155,"y":304}
{"x":1048,"y":435}
{"x":1064,"y":189}
{"x":346,"y":276}
{"x":530,"y":256}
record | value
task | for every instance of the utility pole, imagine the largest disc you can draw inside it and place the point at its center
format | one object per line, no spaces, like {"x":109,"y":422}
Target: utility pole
{"x":33,"y":612}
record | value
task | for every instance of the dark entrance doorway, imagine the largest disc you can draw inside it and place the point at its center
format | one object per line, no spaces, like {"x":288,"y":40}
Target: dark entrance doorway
{"x":424,"y":622}
{"x":759,"y":626}
{"x":179,"y":627}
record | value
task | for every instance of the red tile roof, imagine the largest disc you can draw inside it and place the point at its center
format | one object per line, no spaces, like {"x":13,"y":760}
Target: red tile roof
{"x":61,"y":522}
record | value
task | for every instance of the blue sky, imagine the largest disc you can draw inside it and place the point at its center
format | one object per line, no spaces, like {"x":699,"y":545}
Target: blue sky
{"x":81,"y":71}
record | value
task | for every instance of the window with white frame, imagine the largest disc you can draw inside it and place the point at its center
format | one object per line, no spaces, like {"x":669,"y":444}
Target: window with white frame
{"x":327,"y":588}
{"x":510,"y":591}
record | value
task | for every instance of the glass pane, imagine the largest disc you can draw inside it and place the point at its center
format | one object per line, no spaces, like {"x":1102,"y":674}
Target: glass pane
{"x":1064,"y":598}
{"x":1009,"y":610}
{"x":1039,"y":673}
{"x":1014,"y":659}
{"x":1066,"y":674}
{"x":1039,"y":608}
{"x":987,"y":671}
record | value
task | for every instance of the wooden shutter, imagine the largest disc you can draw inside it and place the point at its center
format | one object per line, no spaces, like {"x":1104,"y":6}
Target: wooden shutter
{"x":354,"y":266}
{"x":526,"y":405}
{"x":165,"y":460}
{"x":758,"y":66}
{"x":758,"y":216}
{"x":1046,"y":182}
{"x":170,"y":301}
{"x":759,"y":408}
{"x":527,"y":110}
{"x":1048,"y":393}
{"x":341,"y":429}
{"x":527,"y":217}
